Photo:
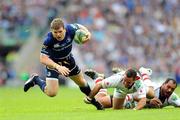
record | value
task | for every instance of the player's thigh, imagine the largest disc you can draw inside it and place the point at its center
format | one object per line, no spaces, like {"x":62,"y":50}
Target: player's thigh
{"x":105,"y":101}
{"x":118,"y":99}
{"x":118,"y":103}
{"x":52,"y":85}
{"x":79,"y":79}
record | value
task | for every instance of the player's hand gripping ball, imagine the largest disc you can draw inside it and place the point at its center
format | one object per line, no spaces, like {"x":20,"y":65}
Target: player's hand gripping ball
{"x":80,"y":36}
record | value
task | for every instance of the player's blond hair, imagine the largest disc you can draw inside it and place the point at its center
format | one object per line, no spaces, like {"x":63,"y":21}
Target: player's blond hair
{"x":57,"y":23}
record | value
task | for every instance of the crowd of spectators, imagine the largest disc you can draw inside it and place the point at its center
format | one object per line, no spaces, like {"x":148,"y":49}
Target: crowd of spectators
{"x":131,"y":33}
{"x":125,"y":33}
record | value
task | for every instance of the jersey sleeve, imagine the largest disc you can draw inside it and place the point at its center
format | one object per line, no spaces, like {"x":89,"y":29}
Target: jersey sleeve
{"x":46,"y":47}
{"x":174,"y":100}
{"x":140,"y":89}
{"x":112,"y":81}
{"x":72,"y":28}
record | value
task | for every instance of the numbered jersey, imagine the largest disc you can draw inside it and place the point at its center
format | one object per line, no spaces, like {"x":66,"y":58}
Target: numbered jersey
{"x":173,"y":100}
{"x":116,"y":81}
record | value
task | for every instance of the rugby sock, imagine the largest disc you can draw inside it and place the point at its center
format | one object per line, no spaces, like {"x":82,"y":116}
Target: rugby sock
{"x":86,"y":89}
{"x":41,"y":83}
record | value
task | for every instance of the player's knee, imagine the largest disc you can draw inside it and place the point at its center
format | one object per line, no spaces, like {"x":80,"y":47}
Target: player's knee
{"x":51,"y":93}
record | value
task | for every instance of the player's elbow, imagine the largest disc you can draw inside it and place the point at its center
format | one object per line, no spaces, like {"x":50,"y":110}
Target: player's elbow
{"x":43,"y":59}
{"x":141,"y":103}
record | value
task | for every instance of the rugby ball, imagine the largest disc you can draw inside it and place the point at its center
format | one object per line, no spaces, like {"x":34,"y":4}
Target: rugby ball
{"x":80,"y":36}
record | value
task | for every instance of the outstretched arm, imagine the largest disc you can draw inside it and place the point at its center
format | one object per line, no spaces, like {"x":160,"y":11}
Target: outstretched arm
{"x":141,"y":104}
{"x":95,"y":90}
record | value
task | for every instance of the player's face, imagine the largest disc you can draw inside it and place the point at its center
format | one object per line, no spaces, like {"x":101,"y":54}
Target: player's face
{"x":128,"y":82}
{"x":168,"y":88}
{"x":59,"y":34}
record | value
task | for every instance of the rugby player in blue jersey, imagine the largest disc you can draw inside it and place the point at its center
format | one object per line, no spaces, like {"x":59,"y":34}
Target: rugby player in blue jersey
{"x":57,"y":57}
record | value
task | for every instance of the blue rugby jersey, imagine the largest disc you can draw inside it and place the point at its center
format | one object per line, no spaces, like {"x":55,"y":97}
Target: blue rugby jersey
{"x":59,"y":49}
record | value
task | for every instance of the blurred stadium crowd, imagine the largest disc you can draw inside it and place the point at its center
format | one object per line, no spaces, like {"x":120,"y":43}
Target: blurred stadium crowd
{"x":124,"y":32}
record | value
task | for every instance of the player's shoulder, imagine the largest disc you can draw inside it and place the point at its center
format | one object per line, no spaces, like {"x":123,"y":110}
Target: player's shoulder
{"x":48,"y":38}
{"x":71,"y":28}
{"x":138,"y":84}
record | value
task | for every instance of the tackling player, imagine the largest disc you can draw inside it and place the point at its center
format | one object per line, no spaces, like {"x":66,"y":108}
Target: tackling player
{"x":123,"y":82}
{"x":57,"y":57}
{"x":164,"y":94}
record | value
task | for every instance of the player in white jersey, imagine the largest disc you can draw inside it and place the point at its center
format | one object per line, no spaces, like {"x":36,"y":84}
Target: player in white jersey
{"x":165,"y":96}
{"x":124,"y":83}
{"x":144,"y":75}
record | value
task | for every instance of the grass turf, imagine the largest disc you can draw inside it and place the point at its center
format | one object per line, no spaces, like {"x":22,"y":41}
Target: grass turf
{"x":69,"y":105}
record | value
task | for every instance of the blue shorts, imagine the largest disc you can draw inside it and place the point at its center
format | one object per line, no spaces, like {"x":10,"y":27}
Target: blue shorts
{"x":68,"y":62}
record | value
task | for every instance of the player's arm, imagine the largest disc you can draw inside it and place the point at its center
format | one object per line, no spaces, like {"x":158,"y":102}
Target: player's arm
{"x":140,"y":95}
{"x":79,"y":26}
{"x":88,"y":34}
{"x":141,"y":104}
{"x":110,"y":82}
{"x":154,"y":103}
{"x":95,"y":90}
{"x":44,"y":59}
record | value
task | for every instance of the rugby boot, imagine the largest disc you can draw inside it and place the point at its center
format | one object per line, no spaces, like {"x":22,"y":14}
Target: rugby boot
{"x":147,"y":71}
{"x":93,"y":74}
{"x":30,"y":82}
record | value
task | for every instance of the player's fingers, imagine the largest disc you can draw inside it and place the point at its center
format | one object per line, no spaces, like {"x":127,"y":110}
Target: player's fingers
{"x":66,"y":69}
{"x":154,"y":102}
{"x":158,"y":102}
{"x":64,"y":73}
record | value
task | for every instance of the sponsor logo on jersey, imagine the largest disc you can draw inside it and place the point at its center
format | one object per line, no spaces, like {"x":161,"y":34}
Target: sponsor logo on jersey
{"x":56,"y":45}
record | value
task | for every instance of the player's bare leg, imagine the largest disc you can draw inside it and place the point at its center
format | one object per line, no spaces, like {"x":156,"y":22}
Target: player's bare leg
{"x":49,"y":87}
{"x":52,"y":86}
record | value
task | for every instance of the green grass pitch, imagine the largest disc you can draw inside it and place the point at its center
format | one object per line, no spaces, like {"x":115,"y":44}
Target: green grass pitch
{"x":69,"y":105}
